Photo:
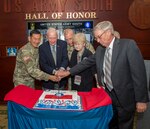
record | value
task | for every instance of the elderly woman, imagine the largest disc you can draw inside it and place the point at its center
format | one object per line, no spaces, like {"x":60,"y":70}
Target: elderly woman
{"x":84,"y":80}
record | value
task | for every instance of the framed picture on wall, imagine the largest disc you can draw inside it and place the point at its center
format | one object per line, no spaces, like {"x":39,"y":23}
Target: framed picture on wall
{"x":11,"y":50}
{"x":85,"y":27}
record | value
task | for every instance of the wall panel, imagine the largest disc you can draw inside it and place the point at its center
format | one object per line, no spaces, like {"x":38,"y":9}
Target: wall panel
{"x":13,"y":24}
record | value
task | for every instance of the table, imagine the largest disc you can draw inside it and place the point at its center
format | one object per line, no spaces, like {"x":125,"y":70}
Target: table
{"x":96,"y":114}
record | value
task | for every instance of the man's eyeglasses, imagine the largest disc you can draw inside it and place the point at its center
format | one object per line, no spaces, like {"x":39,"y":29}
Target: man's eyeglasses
{"x":99,"y":36}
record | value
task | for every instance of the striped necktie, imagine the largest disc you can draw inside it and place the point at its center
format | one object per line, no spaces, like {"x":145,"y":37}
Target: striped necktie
{"x":108,"y":69}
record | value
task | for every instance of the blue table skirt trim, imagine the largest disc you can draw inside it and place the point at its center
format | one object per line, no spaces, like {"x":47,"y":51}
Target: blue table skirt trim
{"x":20,"y":117}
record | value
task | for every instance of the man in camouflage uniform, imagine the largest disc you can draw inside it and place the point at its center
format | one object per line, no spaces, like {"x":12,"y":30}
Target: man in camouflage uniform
{"x":68,"y":34}
{"x":27,"y":63}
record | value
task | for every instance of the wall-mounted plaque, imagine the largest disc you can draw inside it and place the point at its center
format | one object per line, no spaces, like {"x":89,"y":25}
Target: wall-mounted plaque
{"x":11,"y":50}
{"x":78,"y":26}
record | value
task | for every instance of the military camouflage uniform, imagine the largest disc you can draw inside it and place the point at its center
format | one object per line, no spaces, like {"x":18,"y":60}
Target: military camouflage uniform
{"x":90,"y":47}
{"x":70,"y":50}
{"x":27,"y":67}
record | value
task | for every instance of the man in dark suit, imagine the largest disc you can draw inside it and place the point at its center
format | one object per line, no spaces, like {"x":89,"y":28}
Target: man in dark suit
{"x":53,"y":57}
{"x":127,"y":85}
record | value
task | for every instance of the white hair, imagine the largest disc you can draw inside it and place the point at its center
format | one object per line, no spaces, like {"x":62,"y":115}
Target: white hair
{"x":51,"y":30}
{"x":104,"y":25}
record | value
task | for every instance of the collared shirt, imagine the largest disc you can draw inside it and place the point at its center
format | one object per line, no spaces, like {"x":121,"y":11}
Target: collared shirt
{"x":55,"y":47}
{"x":51,"y":47}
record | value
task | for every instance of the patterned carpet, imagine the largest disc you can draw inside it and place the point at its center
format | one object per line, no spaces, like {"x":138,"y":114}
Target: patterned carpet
{"x":3,"y":117}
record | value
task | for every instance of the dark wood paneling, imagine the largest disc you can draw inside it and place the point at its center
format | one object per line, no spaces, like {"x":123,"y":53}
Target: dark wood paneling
{"x":145,"y":49}
{"x":6,"y":75}
{"x":13,"y":26}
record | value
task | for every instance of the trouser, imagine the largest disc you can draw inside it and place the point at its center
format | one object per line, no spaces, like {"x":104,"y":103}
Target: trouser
{"x":122,"y":119}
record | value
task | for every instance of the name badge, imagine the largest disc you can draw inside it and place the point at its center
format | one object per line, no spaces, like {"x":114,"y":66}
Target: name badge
{"x":77,"y":80}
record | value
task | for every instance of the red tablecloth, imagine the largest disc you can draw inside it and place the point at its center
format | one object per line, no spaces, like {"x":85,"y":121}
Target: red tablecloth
{"x":28,"y":97}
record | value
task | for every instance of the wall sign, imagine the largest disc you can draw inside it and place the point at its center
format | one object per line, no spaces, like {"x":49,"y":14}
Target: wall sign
{"x":78,"y":26}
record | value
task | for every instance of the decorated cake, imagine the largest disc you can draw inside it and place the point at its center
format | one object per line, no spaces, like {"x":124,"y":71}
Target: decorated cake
{"x":59,"y":100}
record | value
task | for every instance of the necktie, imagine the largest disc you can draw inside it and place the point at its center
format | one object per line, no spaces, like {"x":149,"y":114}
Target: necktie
{"x":54,"y":53}
{"x":108,"y":69}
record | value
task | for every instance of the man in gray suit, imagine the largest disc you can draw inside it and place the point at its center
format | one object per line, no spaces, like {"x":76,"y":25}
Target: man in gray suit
{"x":127,"y":85}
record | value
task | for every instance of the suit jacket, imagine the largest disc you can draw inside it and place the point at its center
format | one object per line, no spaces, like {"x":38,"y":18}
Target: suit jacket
{"x":87,"y":75}
{"x":128,"y":73}
{"x":47,"y":63}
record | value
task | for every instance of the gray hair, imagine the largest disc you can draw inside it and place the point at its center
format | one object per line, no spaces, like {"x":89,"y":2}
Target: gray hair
{"x":117,"y":34}
{"x":68,"y":31}
{"x":104,"y":25}
{"x":51,"y":30}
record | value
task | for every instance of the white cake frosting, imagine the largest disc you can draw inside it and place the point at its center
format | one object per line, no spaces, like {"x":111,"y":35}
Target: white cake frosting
{"x":59,"y":100}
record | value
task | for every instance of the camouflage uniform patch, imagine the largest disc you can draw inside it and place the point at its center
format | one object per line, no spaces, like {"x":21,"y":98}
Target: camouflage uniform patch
{"x":26,"y":59}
